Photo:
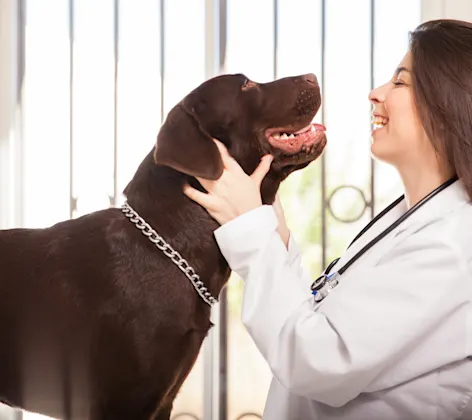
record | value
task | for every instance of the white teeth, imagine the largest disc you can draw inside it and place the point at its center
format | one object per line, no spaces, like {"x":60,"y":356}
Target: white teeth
{"x":380,"y":121}
{"x":283,"y":136}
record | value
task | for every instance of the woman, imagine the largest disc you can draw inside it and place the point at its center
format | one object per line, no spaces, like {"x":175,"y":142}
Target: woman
{"x":393,"y":339}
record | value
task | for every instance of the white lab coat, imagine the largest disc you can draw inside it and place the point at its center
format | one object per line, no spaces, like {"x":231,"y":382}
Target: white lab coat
{"x":393,"y":341}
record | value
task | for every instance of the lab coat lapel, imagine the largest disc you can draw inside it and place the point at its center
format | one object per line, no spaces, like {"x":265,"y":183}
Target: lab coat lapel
{"x":378,"y":227}
{"x":448,"y":199}
{"x":436,"y":208}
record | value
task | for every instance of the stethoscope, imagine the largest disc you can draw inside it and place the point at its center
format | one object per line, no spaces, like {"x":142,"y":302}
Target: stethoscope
{"x":325,"y":283}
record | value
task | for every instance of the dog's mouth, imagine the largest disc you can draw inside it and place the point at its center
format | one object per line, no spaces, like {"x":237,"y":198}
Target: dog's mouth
{"x":292,"y":141}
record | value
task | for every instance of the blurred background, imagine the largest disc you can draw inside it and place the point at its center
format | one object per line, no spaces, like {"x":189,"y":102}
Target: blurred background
{"x":86,"y":84}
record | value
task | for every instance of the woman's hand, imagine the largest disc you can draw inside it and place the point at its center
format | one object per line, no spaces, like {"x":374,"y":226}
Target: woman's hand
{"x":234,"y":193}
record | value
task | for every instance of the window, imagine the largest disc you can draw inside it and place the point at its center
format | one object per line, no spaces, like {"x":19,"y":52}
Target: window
{"x":83,"y":141}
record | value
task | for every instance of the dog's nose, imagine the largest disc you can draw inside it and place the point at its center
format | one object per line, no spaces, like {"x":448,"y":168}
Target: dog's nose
{"x":310,"y":78}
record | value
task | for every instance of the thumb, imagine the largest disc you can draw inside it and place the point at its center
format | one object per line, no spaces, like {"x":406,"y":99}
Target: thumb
{"x":261,"y":171}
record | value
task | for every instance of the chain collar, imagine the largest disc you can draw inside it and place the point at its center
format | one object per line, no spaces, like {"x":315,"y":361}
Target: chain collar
{"x":169,"y":252}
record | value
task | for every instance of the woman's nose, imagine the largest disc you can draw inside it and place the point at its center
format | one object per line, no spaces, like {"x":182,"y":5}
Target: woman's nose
{"x":376,"y":96}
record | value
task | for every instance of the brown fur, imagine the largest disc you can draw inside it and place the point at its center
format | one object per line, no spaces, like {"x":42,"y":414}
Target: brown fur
{"x":95,"y":322}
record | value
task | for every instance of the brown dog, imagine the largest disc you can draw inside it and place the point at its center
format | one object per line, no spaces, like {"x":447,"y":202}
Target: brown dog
{"x":96,"y":321}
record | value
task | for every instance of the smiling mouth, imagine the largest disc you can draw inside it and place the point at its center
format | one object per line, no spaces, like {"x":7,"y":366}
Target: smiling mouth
{"x":292,"y":141}
{"x":379,"y":122}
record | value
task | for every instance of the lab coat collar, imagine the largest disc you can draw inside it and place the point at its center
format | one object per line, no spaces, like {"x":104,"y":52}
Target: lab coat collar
{"x":451,"y":198}
{"x":447,"y":200}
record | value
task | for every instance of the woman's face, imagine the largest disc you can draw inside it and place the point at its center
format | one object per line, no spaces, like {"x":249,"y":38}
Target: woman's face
{"x":399,"y":137}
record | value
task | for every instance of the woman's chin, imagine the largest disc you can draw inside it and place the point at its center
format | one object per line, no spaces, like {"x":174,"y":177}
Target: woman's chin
{"x":379,"y":149}
{"x":379,"y":132}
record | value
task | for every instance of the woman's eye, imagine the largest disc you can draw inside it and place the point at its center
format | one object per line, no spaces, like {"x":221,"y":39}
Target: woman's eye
{"x":398,"y":83}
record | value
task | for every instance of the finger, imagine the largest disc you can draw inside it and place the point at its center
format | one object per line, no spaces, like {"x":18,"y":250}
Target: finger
{"x":222,"y":149}
{"x":205,"y":200}
{"x":261,"y":171}
{"x":228,"y":160}
{"x":208,"y":184}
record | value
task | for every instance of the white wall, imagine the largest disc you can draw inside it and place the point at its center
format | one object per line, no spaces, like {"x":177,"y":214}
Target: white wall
{"x":11,"y":192}
{"x":8,"y":124}
{"x":10,"y":141}
{"x":452,"y":9}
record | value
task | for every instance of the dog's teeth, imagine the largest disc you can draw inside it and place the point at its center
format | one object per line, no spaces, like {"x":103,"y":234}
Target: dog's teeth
{"x":292,"y":136}
{"x":276,"y":136}
{"x":284,"y":136}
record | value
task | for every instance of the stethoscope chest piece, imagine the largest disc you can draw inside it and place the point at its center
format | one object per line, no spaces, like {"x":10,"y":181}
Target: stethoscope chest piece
{"x":323,"y":285}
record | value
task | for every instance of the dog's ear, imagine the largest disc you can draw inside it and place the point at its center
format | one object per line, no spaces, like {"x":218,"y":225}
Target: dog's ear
{"x":185,"y":146}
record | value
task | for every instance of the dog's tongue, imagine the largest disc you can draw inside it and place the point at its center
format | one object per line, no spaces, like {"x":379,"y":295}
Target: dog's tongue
{"x":304,"y":138}
{"x":303,"y":130}
{"x":318,"y":127}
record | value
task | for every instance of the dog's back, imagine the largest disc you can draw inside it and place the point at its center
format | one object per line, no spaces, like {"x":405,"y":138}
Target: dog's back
{"x":82,"y":320}
{"x":51,"y":287}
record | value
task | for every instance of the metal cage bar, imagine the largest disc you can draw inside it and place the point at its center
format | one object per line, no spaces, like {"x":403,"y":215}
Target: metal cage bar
{"x":372,"y":81}
{"x":116,"y":52}
{"x":223,"y":315}
{"x":215,"y":349}
{"x":276,"y":37}
{"x":323,"y":121}
{"x":162,"y":52}
{"x":72,"y":199}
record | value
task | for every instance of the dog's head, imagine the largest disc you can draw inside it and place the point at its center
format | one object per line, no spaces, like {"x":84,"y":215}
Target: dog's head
{"x":251,"y":119}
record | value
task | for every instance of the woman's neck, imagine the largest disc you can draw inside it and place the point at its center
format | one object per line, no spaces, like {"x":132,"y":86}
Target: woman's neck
{"x":419,"y":181}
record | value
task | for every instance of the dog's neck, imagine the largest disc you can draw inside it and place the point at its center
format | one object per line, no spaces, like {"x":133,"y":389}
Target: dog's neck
{"x":157,"y":190}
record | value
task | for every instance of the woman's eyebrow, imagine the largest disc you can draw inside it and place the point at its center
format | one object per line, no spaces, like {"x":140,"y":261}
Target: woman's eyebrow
{"x":400,"y":69}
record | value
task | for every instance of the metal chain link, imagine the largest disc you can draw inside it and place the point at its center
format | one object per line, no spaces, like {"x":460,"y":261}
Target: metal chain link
{"x":169,"y":252}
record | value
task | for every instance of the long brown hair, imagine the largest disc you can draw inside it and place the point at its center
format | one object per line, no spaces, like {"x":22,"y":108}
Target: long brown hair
{"x":441,"y":53}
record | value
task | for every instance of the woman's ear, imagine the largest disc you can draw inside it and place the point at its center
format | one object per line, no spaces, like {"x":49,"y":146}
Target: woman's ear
{"x":183,"y":145}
